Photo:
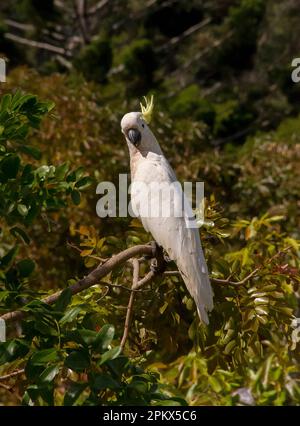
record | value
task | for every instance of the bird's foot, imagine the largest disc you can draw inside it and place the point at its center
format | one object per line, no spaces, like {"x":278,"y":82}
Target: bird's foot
{"x":158,"y":264}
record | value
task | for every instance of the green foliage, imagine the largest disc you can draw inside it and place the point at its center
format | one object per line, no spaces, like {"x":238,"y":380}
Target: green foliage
{"x":245,"y":19}
{"x":58,"y":349}
{"x":38,"y":11}
{"x":230,"y":117}
{"x":26,"y":190}
{"x":95,"y":60}
{"x":190,"y":103}
{"x":243,"y":23}
{"x":140,"y":63}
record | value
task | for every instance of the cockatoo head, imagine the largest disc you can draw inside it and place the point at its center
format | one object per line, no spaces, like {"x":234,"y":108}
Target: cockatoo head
{"x":138,"y":134}
{"x":134,"y":128}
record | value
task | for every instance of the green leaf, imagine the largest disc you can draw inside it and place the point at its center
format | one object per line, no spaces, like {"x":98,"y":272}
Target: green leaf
{"x":10,"y":165}
{"x":49,"y":373}
{"x":22,"y":209}
{"x":215,"y":384}
{"x":104,"y":337}
{"x":12,"y":349}
{"x":25,"y":267}
{"x":229,"y":347}
{"x":74,"y":391}
{"x":5,"y":102}
{"x":31,"y":151}
{"x":49,"y":105}
{"x":71,"y":314}
{"x":111,"y":354}
{"x":140,"y":386}
{"x":16,"y":231}
{"x":61,"y":171}
{"x":84,"y":182}
{"x":44,"y":356}
{"x":44,"y":391}
{"x":75,"y":195}
{"x":63,"y":300}
{"x":87,"y":336}
{"x":119,"y":365}
{"x":78,"y":360}
{"x":8,"y":258}
{"x":104,"y":381}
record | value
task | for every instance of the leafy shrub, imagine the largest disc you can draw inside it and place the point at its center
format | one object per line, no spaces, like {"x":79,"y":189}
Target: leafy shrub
{"x":190,"y":103}
{"x":243,"y":24}
{"x":140,"y":63}
{"x":38,"y":11}
{"x":95,"y":60}
{"x":172,"y":20}
{"x":231,"y":117}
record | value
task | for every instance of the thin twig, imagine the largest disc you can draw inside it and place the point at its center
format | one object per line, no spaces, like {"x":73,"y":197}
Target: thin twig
{"x":191,"y":30}
{"x":147,"y":278}
{"x":36,"y":44}
{"x":172,"y":273}
{"x":8,"y":388}
{"x":12,"y":374}
{"x":64,"y":62}
{"x":135,"y":281}
{"x":130,"y":289}
{"x":101,"y":259}
{"x":238,"y":283}
{"x":19,"y":25}
{"x":235,"y":283}
{"x":98,"y":6}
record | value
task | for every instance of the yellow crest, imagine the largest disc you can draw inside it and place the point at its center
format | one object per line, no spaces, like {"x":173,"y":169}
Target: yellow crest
{"x":147,"y":110}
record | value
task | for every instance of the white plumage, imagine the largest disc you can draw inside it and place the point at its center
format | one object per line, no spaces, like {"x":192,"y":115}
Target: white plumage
{"x":181,"y":242}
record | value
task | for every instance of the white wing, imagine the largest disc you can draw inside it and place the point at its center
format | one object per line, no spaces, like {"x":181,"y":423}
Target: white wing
{"x":182,"y":243}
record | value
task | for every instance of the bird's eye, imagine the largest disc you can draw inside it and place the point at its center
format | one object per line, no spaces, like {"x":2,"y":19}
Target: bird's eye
{"x":143,"y":125}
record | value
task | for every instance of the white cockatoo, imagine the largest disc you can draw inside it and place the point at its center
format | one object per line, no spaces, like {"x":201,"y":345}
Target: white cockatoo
{"x":174,"y":232}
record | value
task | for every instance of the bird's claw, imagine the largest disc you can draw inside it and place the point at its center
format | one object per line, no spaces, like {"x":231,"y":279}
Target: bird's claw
{"x":158,"y":264}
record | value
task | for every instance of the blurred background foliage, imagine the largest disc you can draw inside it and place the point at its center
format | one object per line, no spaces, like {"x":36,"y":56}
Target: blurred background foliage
{"x":227,"y":113}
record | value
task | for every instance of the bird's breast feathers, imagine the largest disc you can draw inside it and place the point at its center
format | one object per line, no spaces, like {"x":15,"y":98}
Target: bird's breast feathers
{"x":153,"y":168}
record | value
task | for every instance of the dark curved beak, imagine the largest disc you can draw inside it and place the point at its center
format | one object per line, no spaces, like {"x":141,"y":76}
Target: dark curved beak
{"x":134,"y":135}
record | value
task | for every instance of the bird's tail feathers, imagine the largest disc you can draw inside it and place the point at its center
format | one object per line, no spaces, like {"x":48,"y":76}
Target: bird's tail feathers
{"x":198,"y":284}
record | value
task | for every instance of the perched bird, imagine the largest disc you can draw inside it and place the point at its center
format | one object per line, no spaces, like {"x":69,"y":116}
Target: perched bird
{"x":172,"y":231}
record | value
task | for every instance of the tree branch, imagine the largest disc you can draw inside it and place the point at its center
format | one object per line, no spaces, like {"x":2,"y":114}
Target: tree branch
{"x":92,"y":278}
{"x":35,"y":44}
{"x":105,"y":268}
{"x":80,"y":13}
{"x":238,"y":283}
{"x":12,"y":374}
{"x":175,"y":40}
{"x":98,"y":6}
{"x":19,"y":25}
{"x":235,"y":283}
